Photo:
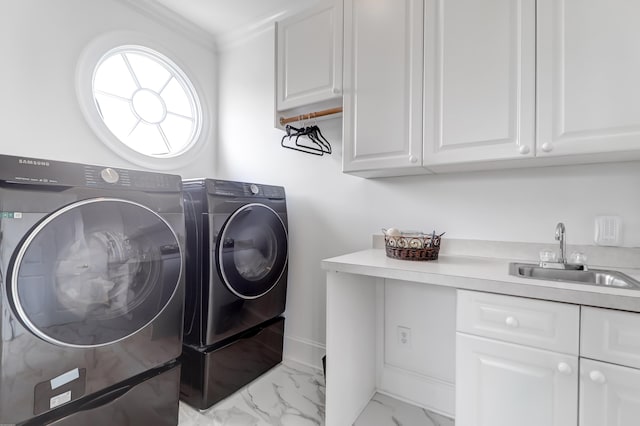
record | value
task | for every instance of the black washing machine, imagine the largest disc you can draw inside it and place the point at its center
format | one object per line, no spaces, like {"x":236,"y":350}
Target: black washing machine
{"x":92,"y":292}
{"x":236,"y":285}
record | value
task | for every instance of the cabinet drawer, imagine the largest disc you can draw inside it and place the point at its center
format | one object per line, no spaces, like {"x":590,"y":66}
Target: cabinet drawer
{"x":536,"y":323}
{"x":611,"y":336}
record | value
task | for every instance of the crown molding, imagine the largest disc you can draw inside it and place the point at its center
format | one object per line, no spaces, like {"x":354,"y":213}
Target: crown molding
{"x":243,"y":34}
{"x":222,"y":42}
{"x":172,"y":20}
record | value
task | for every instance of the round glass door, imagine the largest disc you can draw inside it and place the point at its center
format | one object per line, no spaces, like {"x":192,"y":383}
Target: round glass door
{"x":95,"y":272}
{"x":252,"y":251}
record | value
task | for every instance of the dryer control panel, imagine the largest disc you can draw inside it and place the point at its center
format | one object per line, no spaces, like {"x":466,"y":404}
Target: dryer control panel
{"x":243,"y":189}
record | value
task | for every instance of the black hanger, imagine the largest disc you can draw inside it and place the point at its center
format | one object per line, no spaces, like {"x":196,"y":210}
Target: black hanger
{"x":312,"y":134}
{"x":308,"y":132}
{"x":291,"y":132}
{"x":317,"y":135}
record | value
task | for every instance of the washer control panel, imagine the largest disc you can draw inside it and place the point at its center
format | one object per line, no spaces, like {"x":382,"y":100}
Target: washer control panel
{"x":35,"y":171}
{"x":134,"y":179}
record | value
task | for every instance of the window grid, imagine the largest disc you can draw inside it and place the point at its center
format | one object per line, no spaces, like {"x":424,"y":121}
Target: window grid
{"x":152,"y":115}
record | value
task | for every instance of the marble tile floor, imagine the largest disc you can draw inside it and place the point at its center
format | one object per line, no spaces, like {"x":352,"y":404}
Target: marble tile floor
{"x":288,"y":395}
{"x":383,"y":410}
{"x":293,"y":395}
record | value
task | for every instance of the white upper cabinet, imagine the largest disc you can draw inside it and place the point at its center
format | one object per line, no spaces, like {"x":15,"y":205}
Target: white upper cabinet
{"x":588,"y":76}
{"x":465,"y":84}
{"x":309,"y":57}
{"x":479,"y":88}
{"x":382,"y":127}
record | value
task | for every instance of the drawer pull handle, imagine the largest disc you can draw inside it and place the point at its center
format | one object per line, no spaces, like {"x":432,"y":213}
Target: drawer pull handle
{"x":597,"y":377}
{"x":512,"y":322}
{"x":565,"y":368}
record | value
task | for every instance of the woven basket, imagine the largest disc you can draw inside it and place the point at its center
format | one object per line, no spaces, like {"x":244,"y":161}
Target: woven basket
{"x":413,"y":246}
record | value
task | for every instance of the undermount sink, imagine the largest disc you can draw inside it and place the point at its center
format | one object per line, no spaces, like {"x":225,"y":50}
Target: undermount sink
{"x":592,"y":276}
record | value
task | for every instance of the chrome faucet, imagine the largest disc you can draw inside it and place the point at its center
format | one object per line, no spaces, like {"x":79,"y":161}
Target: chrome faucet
{"x":577,"y":262}
{"x":560,"y":236}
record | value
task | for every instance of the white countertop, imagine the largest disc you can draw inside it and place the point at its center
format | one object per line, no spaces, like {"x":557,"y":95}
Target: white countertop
{"x":483,"y":274}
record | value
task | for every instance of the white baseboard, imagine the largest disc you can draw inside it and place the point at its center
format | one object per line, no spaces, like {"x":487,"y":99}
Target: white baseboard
{"x":430,"y":393}
{"x":304,"y":351}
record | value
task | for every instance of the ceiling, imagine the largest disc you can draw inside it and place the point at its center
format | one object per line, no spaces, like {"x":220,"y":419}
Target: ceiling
{"x":224,"y":17}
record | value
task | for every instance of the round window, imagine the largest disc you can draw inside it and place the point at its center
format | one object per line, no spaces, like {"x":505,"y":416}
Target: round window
{"x":146,"y":101}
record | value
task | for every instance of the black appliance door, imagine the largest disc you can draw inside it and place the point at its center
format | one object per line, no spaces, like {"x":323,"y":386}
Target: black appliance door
{"x":94,"y":272}
{"x":252,"y":251}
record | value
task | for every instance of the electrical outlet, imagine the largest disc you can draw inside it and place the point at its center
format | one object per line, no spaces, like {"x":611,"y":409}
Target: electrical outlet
{"x":608,"y":230}
{"x":404,"y":336}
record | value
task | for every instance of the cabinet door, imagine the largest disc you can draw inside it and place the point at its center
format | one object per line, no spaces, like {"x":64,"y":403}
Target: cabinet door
{"x":502,"y":384}
{"x":383,"y":86}
{"x":309,"y":56}
{"x":588,"y":71}
{"x":479,"y":80}
{"x":609,"y":394}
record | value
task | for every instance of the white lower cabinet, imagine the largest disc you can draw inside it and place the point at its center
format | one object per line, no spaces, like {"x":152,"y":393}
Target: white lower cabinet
{"x":517,"y":363}
{"x":609,"y":394}
{"x":610,"y":369}
{"x":610,"y":336}
{"x":505,"y":384}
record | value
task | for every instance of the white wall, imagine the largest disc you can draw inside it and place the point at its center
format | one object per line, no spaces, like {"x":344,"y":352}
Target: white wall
{"x":40,"y":44}
{"x":331,"y":213}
